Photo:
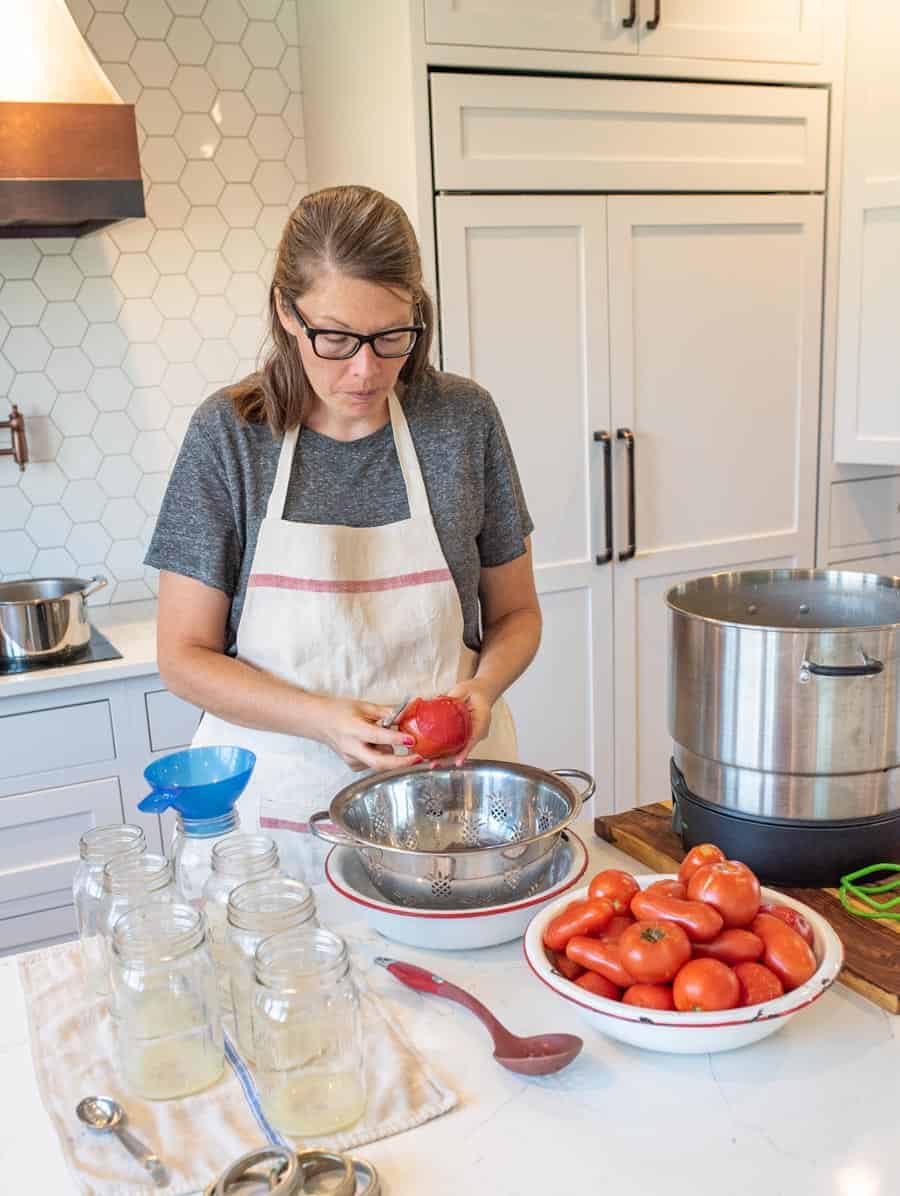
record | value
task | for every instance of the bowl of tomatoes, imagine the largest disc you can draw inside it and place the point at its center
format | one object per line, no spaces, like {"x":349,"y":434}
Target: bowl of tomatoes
{"x":703,"y":961}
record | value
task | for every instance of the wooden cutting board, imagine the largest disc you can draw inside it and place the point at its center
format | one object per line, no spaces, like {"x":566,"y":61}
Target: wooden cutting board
{"x":871,"y":945}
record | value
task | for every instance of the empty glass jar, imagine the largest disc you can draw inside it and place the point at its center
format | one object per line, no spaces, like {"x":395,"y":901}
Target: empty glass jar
{"x":130,"y":880}
{"x":193,"y":842}
{"x":307,"y":1033}
{"x":165,"y":1002}
{"x":96,"y":847}
{"x":256,"y":910}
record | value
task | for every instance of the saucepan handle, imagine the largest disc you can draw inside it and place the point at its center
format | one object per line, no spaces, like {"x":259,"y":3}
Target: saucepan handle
{"x":331,"y":835}
{"x":870,"y":667}
{"x":588,"y":791}
{"x":95,"y":584}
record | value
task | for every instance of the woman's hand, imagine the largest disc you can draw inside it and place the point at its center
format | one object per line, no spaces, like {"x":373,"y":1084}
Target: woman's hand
{"x":352,"y":729}
{"x":479,"y":699}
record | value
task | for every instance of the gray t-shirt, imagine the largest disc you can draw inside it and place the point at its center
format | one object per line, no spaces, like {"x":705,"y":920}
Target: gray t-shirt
{"x":220,"y":485}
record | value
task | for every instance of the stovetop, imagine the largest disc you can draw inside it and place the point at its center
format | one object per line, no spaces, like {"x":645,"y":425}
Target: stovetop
{"x":98,"y":648}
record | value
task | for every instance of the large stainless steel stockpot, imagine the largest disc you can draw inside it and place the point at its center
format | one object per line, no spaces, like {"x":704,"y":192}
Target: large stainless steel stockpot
{"x":784,"y":698}
{"x":44,"y":616}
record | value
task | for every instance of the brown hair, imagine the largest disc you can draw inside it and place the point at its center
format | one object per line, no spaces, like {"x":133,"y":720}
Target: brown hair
{"x":351,"y":230}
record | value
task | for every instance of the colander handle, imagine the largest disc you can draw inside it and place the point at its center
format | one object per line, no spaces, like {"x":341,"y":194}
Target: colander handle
{"x":332,"y":835}
{"x":581,"y":776}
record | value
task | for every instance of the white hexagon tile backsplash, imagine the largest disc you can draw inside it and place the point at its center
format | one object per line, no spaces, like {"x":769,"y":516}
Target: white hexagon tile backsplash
{"x":109,"y":342}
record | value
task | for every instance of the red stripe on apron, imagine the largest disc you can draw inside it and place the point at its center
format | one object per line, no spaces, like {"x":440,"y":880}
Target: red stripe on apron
{"x":278,"y":581}
{"x":283,"y":824}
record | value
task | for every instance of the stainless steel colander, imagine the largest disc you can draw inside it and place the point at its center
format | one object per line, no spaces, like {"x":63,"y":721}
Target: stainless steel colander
{"x":455,"y":838}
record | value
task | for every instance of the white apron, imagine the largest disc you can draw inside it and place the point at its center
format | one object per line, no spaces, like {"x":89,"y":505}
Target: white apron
{"x":369,"y":613}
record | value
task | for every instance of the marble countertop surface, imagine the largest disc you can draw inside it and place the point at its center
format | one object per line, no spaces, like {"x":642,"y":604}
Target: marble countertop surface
{"x":809,"y":1111}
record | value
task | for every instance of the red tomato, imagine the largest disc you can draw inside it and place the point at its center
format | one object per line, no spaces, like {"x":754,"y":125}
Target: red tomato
{"x":731,"y":946}
{"x":758,"y":983}
{"x":649,"y":996}
{"x":579,"y":917}
{"x":703,"y":853}
{"x":790,"y":917}
{"x":440,"y":726}
{"x":612,"y":932}
{"x":652,"y":952}
{"x":563,"y":965}
{"x":604,"y":958}
{"x":669,"y":888}
{"x":617,"y":887}
{"x":701,"y":922}
{"x":704,"y":985}
{"x":788,"y":955}
{"x":593,"y":982}
{"x":729,"y":886}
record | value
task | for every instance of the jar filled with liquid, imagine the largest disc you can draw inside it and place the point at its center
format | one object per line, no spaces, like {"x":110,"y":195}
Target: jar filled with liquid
{"x":165,"y":1003}
{"x":193,"y":842}
{"x":258,"y":909}
{"x":129,"y":881}
{"x":96,"y":848}
{"x":307,"y":1033}
{"x":236,"y":858}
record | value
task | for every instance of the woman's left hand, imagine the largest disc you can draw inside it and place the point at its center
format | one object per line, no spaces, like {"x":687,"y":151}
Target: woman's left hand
{"x":480,"y":701}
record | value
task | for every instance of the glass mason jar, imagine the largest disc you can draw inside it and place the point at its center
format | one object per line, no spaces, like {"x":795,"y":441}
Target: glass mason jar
{"x":128,"y":881}
{"x":96,"y":848}
{"x":307,"y":1033}
{"x":256,"y":910}
{"x":165,"y":1004}
{"x":193,"y":841}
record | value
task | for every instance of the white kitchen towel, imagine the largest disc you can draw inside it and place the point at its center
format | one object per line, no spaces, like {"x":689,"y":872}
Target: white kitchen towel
{"x":73,"y":1050}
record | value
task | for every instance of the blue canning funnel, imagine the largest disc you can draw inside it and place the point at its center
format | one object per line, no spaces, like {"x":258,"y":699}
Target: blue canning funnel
{"x":200,"y":782}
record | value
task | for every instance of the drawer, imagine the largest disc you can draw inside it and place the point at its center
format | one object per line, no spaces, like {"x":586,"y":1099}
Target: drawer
{"x":60,"y":737}
{"x":865,"y":511}
{"x":511,"y":133}
{"x":887,"y":566}
{"x":171,"y":722}
{"x":37,"y":930}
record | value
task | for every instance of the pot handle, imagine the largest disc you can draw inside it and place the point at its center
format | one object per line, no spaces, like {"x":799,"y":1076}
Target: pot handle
{"x":869,"y":668}
{"x":333,"y":835}
{"x":581,"y":776}
{"x":95,"y":584}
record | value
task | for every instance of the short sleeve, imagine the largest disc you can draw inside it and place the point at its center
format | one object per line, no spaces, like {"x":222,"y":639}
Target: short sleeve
{"x":199,"y":531}
{"x":506,"y":523}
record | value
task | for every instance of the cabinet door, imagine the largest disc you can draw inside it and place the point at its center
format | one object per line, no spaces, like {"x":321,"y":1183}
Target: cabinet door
{"x":533,"y":24}
{"x":715,"y":307}
{"x":523,"y":311}
{"x":867,"y":408}
{"x":748,"y":30}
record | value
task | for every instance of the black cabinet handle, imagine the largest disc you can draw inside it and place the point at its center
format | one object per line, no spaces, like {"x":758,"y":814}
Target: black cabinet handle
{"x":628,"y":22}
{"x":604,"y":438}
{"x":654,"y":20}
{"x":630,"y":549}
{"x":869,"y":668}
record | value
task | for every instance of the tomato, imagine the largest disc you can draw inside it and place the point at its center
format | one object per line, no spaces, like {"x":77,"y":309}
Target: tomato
{"x":649,"y":996}
{"x":791,"y":917}
{"x":704,"y":985}
{"x":729,"y":886}
{"x":669,"y":888}
{"x":612,"y":932}
{"x":703,"y":853}
{"x":604,"y":958}
{"x":593,"y":982}
{"x":731,"y":946}
{"x":579,"y":917}
{"x":563,"y":965}
{"x":788,"y":955}
{"x":701,"y":922}
{"x":652,"y":952}
{"x":758,"y":983}
{"x":617,"y":887}
{"x":440,"y":726}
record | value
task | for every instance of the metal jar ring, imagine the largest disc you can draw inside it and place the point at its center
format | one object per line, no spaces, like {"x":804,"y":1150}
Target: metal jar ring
{"x":236,"y":1177}
{"x":316,"y":1162}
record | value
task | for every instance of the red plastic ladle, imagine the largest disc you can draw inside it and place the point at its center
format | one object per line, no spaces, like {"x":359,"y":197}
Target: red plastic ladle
{"x":538,"y":1055}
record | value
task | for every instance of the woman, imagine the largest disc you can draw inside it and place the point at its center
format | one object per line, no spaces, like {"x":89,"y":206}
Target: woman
{"x":341,"y":530}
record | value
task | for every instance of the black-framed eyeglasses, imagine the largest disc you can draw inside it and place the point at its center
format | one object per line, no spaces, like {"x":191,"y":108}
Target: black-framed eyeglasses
{"x":334,"y":344}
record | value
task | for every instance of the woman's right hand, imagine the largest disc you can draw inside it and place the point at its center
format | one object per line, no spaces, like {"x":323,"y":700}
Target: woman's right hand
{"x":353,"y":730}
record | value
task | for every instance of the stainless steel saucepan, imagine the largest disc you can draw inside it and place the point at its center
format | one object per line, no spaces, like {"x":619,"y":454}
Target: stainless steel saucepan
{"x":44,"y":616}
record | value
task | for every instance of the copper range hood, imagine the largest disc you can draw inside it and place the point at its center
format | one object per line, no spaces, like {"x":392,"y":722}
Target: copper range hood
{"x":68,"y":144}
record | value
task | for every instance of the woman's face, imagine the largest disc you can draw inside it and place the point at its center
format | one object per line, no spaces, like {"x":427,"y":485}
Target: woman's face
{"x":351,"y":394}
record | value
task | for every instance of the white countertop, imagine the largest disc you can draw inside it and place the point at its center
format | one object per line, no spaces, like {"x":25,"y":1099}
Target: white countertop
{"x":810,"y":1111}
{"x":131,"y":629}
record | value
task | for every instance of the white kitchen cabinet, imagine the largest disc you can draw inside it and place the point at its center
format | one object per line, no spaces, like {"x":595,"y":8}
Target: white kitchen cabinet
{"x":592,"y":313}
{"x":748,"y":30}
{"x":867,"y":401}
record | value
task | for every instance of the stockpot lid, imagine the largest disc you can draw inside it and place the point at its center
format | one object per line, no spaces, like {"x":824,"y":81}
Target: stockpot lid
{"x":812,"y":600}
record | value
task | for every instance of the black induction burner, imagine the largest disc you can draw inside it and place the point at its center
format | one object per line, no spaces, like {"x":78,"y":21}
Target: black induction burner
{"x":98,"y":648}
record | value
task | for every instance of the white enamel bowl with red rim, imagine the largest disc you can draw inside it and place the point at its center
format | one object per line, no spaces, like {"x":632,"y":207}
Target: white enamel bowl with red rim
{"x":688,"y":1033}
{"x":453,"y":930}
